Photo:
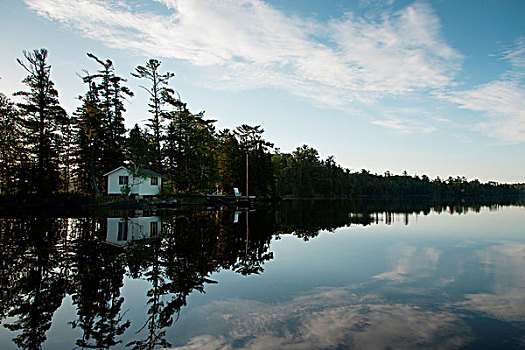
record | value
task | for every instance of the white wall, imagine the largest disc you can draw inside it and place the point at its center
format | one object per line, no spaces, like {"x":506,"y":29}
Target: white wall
{"x":113,"y":186}
{"x":141,"y":186}
{"x":145,"y":187}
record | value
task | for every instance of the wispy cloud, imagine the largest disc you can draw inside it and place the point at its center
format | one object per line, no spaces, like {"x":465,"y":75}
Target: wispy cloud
{"x":404,"y":125}
{"x":502,"y":100}
{"x":408,"y":120}
{"x":516,"y":55}
{"x":339,"y":63}
{"x":248,"y":43}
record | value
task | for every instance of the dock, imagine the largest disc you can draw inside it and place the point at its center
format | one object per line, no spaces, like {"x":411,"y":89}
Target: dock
{"x":219,"y":199}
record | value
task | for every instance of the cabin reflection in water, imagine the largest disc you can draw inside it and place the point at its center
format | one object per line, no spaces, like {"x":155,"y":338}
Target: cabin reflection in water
{"x":123,"y":230}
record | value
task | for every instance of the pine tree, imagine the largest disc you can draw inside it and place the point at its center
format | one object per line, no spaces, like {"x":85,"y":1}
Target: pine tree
{"x":260,"y":166}
{"x":231,"y":162}
{"x":42,"y":119}
{"x":137,"y":148}
{"x":88,"y":138}
{"x":10,"y":146}
{"x":111,"y":94}
{"x":158,"y":88}
{"x":99,"y":126}
{"x":190,"y":149}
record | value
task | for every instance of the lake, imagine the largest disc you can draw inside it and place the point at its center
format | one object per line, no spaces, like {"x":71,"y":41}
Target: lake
{"x":305,"y":274}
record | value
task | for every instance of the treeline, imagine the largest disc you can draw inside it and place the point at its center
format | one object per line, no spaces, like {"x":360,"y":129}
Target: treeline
{"x":303,"y":173}
{"x":44,"y":151}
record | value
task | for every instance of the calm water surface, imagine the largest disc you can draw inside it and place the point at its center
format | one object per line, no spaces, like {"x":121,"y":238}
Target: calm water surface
{"x":296,"y":275}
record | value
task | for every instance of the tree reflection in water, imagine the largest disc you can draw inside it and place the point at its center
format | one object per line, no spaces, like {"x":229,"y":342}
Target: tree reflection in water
{"x":45,"y":259}
{"x":97,"y":276}
{"x":34,"y":276}
{"x":181,"y":260}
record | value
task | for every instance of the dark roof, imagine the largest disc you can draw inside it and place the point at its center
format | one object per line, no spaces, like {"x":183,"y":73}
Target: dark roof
{"x":148,"y":172}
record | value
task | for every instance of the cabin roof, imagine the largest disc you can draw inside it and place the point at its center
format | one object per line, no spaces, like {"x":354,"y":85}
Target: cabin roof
{"x":150,"y":172}
{"x":140,"y":171}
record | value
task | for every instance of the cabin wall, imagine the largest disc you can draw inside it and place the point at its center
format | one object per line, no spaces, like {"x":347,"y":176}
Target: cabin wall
{"x":140,"y":186}
{"x":113,"y":185}
{"x":147,"y":189}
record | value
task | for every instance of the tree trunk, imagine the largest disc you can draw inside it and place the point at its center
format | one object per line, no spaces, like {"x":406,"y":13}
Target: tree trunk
{"x":95,"y":186}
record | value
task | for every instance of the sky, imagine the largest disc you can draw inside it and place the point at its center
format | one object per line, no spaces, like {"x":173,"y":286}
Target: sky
{"x":430,"y":87}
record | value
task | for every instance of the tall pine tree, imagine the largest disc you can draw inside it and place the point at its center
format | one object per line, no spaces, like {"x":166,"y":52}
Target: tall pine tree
{"x":42,"y":120}
{"x":190,"y":149}
{"x":10,"y":146}
{"x":111,"y":94}
{"x":99,"y":129}
{"x":159,"y":86}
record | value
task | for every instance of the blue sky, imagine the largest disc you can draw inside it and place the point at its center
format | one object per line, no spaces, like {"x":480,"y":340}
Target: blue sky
{"x":431,"y":87}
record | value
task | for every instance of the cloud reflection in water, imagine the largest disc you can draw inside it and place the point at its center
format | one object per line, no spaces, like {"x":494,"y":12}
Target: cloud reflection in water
{"x":363,"y":316}
{"x":506,"y":263}
{"x":330,"y":318}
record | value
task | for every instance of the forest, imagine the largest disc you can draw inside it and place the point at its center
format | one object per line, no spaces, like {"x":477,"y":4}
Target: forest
{"x":44,"y":151}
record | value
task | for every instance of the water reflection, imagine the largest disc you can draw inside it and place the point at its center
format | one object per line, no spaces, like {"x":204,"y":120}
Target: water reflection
{"x":121,"y":230}
{"x":409,"y":262}
{"x":96,"y":278}
{"x":505,"y":298}
{"x":44,"y":260}
{"x":34,"y":277}
{"x":329,"y":318}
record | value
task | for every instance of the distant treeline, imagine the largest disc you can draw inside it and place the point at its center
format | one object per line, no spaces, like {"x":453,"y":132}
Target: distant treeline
{"x":44,"y":151}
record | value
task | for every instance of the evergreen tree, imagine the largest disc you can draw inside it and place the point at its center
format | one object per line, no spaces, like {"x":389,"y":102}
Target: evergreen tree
{"x":42,"y":119}
{"x":158,"y":88}
{"x":260,"y":167}
{"x":99,"y":126}
{"x":190,"y":149}
{"x":10,"y":147}
{"x":89,"y":135}
{"x":137,"y":148}
{"x":231,"y":162}
{"x":112,"y":94}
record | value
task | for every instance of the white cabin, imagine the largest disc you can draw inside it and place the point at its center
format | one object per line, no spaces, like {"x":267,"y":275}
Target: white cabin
{"x":144,"y":183}
{"x":124,"y":230}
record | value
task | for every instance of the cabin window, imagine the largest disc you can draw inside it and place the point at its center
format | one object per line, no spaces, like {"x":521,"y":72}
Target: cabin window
{"x":122,"y":231}
{"x":154,"y":181}
{"x":154,"y":228}
{"x":123,"y":180}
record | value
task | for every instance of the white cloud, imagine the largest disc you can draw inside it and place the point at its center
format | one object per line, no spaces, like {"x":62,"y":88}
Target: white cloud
{"x":339,"y":63}
{"x":502,"y":100}
{"x":404,"y":125}
{"x":254,"y":45}
{"x":516,"y":56}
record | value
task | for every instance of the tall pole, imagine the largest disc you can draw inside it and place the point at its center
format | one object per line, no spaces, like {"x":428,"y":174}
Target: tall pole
{"x":247,"y":231}
{"x":247,"y":174}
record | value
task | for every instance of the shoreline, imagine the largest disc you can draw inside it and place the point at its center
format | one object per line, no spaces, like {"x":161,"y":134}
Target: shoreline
{"x":80,"y":205}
